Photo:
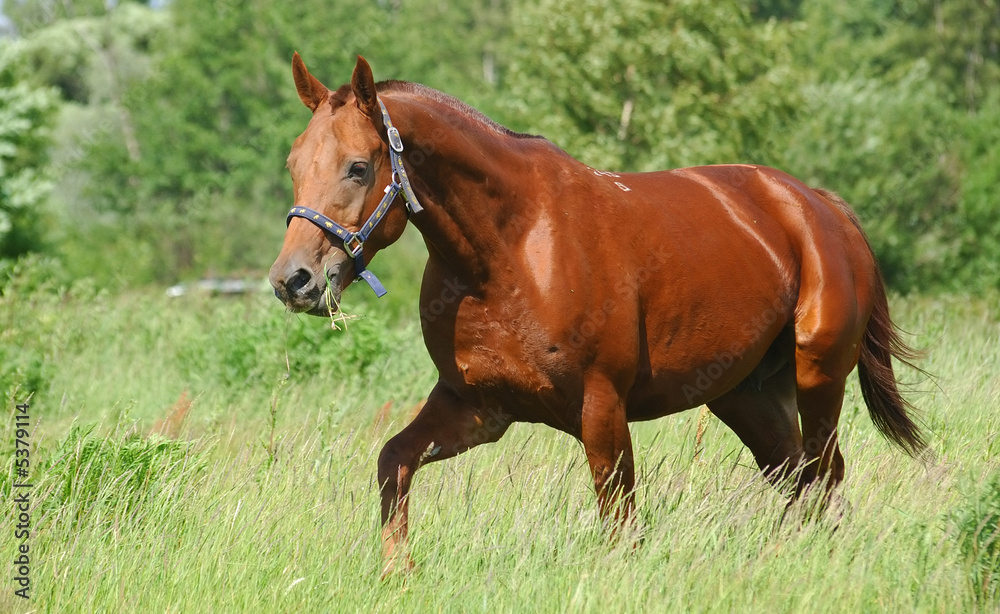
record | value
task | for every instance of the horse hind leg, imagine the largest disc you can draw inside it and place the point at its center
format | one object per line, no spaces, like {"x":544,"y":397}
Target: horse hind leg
{"x":820,"y":393}
{"x":802,"y":377}
{"x":827,"y":343}
{"x":763,"y":414}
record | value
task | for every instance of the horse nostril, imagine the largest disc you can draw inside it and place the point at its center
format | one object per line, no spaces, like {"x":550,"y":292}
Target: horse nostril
{"x":298,"y":281}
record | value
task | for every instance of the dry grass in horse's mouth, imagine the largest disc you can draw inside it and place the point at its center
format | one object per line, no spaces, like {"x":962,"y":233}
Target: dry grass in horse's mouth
{"x":336,"y":312}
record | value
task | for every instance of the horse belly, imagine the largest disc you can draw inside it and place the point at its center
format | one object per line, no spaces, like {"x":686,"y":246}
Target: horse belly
{"x":690,"y":379}
{"x":708,"y":337}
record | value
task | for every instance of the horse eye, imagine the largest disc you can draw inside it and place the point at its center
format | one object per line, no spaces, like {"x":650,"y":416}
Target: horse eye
{"x":357,"y":170}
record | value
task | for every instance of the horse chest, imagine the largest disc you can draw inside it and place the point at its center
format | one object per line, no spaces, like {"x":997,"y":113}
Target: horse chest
{"x":494,"y":354}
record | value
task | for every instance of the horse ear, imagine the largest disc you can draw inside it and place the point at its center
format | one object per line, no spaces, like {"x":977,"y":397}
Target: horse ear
{"x":363,"y":84}
{"x":311,"y":91}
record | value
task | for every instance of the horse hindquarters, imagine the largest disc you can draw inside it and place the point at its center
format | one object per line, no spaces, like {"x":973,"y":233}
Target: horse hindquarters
{"x":809,"y":385}
{"x":879,"y":343}
{"x":839,"y":287}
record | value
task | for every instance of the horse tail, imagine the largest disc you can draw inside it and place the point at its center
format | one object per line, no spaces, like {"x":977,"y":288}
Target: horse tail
{"x":881,"y":343}
{"x":886,"y":405}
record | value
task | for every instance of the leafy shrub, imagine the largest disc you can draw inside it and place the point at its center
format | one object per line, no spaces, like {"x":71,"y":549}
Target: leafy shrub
{"x":24,"y":284}
{"x":858,"y":137}
{"x":246,"y":344}
{"x":25,"y":115}
{"x":645,"y":85}
{"x":115,"y":476}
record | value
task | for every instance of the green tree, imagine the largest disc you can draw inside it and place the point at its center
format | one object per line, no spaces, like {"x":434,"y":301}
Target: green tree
{"x":961,"y":40}
{"x":977,"y":263}
{"x":958,"y":40}
{"x":900,"y":105}
{"x":31,"y":15}
{"x":777,"y":9}
{"x":25,"y":114}
{"x":175,"y":123}
{"x":645,"y":84}
{"x":213,"y":122}
{"x":466,"y":57}
{"x":91,"y":62}
{"x":886,"y":148}
{"x":218,"y":113}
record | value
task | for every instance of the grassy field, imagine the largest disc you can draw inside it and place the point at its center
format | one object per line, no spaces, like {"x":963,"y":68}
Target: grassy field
{"x":263,"y":498}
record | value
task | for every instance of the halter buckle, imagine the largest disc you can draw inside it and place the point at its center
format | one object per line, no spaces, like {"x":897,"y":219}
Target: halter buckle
{"x":353,"y":245}
{"x":395,"y":141}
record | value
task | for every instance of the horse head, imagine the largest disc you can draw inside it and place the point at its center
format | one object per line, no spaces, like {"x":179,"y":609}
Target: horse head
{"x":339,"y":167}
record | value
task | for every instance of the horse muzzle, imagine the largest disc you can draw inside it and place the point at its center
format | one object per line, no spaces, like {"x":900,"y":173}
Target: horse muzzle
{"x":303,"y":291}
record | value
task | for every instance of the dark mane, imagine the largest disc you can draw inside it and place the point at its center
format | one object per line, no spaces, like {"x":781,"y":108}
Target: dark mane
{"x":451,"y":102}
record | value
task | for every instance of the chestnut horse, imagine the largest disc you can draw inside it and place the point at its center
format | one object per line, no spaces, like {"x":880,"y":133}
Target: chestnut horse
{"x":583,"y":299}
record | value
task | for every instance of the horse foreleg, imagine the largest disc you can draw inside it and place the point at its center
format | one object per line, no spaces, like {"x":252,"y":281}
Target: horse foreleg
{"x":444,"y":428}
{"x":606,"y":440}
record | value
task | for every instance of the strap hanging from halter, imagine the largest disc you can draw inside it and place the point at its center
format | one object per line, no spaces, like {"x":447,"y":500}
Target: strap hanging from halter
{"x":354,"y":242}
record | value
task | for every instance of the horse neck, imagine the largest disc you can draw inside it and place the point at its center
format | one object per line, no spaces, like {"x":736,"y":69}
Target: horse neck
{"x":465,"y":175}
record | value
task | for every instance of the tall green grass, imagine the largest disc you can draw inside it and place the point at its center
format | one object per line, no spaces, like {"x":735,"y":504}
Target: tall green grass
{"x":237,"y":514}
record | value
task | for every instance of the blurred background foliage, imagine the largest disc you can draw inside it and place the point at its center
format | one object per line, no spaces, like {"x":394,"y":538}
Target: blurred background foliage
{"x":145,"y":142}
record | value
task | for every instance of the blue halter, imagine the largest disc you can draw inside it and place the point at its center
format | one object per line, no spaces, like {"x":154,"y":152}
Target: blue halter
{"x":354,"y":242}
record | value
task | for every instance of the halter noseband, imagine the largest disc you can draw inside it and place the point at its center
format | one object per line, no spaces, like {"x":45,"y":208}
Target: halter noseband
{"x":354,"y":241}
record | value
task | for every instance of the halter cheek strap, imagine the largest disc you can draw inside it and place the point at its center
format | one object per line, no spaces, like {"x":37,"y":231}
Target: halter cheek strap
{"x":354,"y":242}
